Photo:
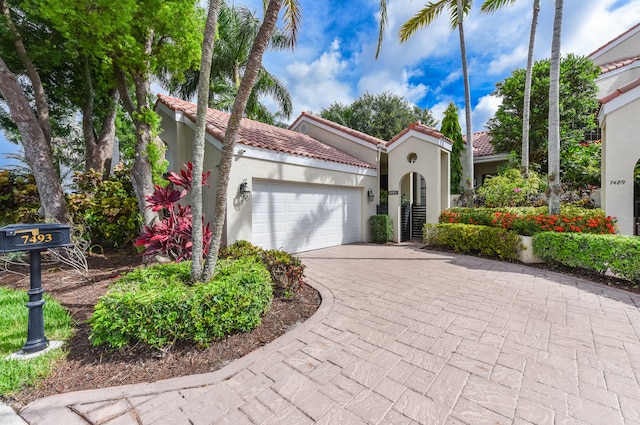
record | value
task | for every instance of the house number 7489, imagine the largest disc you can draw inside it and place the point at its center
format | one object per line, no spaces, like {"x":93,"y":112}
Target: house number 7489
{"x":617,"y":182}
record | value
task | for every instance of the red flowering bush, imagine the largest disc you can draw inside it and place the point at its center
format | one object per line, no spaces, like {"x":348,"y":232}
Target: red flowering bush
{"x":528,"y":224}
{"x":172,"y":236}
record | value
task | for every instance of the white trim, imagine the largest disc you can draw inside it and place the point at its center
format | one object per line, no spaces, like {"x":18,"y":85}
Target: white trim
{"x":613,"y":44}
{"x":618,"y":102}
{"x":334,"y":131}
{"x":441,"y":142}
{"x":490,"y":158}
{"x":287,"y":158}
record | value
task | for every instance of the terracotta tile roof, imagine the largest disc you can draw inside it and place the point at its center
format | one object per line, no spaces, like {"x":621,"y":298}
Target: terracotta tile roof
{"x":614,"y":40}
{"x":621,"y":90}
{"x":612,"y":66}
{"x":420,"y":128}
{"x":260,"y":135}
{"x":355,"y":133}
{"x":481,"y":144}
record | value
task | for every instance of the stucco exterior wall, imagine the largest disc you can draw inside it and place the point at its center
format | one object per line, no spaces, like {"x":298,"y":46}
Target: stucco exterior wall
{"x":611,"y":81}
{"x":622,"y":49}
{"x":621,"y":141}
{"x":239,"y":219}
{"x":363,"y":150}
{"x":429,"y":163}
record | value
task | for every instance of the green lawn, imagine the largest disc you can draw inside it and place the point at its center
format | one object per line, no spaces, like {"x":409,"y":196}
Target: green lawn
{"x":15,"y":374}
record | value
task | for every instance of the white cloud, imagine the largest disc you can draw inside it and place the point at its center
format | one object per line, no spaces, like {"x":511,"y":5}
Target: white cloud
{"x":508,"y":61}
{"x":385,"y":81}
{"x":484,"y":110}
{"x":317,"y":84}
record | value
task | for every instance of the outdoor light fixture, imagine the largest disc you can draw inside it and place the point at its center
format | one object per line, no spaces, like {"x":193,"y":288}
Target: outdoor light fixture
{"x":370,"y":195}
{"x":244,"y":190}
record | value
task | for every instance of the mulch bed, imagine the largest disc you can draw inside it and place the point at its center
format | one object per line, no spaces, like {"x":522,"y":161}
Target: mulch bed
{"x":89,"y":367}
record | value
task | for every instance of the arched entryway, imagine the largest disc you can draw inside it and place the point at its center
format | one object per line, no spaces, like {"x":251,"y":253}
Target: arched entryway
{"x":413,"y":205}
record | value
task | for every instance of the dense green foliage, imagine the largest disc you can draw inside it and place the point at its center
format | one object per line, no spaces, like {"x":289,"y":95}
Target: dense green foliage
{"x":381,"y":228}
{"x":15,"y":374}
{"x":382,"y":115}
{"x":510,"y":189}
{"x":157,"y":306}
{"x":529,"y":220}
{"x":578,"y":103}
{"x":287,"y":271}
{"x":19,"y":201}
{"x":580,"y":165}
{"x":492,"y":242}
{"x":598,"y":253}
{"x":108,"y":208}
{"x":451,"y":129}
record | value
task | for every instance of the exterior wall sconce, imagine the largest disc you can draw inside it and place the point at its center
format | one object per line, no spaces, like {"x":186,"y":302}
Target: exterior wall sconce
{"x":244,"y":190}
{"x":370,"y":195}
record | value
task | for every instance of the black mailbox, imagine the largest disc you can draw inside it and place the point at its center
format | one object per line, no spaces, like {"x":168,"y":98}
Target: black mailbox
{"x":34,"y":238}
{"x":31,"y":237}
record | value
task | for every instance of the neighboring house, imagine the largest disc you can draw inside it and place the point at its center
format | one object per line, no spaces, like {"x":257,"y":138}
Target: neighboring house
{"x":619,"y":94}
{"x":314,"y":185}
{"x":486,"y":161}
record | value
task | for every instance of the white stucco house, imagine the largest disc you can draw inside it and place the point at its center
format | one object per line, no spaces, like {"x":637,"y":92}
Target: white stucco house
{"x":315,"y":184}
{"x":619,"y":121}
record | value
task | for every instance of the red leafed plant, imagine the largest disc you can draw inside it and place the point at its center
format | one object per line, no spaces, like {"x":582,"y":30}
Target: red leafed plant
{"x":172,"y":235}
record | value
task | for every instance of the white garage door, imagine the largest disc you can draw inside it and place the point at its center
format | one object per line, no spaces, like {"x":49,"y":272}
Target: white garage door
{"x":302,"y":217}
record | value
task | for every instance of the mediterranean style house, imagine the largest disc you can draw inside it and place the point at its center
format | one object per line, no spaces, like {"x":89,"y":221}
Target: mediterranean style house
{"x":315,"y":184}
{"x":619,"y":94}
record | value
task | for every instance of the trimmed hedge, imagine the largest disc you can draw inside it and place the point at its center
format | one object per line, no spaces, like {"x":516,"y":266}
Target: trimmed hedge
{"x":381,"y":228}
{"x":157,"y":306}
{"x":492,"y":242}
{"x":598,"y":253}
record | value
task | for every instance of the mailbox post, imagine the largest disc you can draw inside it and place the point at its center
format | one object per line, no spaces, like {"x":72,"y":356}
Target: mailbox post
{"x":34,"y":238}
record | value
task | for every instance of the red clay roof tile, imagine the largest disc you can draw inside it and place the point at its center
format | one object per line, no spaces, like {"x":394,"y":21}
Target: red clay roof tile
{"x":420,"y":128}
{"x":621,"y":90}
{"x":481,"y":144}
{"x":608,"y":43}
{"x":612,"y":66}
{"x":260,"y":135}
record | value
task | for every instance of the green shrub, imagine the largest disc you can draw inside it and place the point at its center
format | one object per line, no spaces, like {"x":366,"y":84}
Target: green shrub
{"x":157,"y":306}
{"x":287,"y":271}
{"x":381,"y":228}
{"x":19,"y":200}
{"x":598,"y":253}
{"x":510,"y":188}
{"x":108,"y":208}
{"x":488,"y":241}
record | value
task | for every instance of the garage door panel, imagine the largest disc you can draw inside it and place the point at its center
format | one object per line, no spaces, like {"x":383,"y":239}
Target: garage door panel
{"x":316,"y":216}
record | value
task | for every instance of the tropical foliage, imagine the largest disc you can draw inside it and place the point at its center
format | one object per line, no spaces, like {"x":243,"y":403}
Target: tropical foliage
{"x":381,"y":115}
{"x":451,"y":129}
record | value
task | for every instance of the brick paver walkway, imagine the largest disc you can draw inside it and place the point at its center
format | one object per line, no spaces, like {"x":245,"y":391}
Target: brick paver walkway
{"x":407,"y":336}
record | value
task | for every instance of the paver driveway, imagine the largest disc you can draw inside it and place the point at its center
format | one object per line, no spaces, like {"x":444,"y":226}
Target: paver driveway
{"x":409,"y":336}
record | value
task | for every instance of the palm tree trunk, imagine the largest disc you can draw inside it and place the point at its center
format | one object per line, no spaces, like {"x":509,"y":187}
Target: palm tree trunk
{"x":198,"y":147}
{"x":526,"y":111}
{"x":233,"y":127}
{"x":554,"y":114}
{"x":467,"y":109}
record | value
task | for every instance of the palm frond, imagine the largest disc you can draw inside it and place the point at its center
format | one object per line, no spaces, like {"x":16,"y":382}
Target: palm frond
{"x":453,"y":7}
{"x":384,"y":18}
{"x":422,"y":19}
{"x":493,"y":5}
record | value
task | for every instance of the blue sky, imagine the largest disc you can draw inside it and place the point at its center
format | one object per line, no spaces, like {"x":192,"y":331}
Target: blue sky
{"x":334,"y":58}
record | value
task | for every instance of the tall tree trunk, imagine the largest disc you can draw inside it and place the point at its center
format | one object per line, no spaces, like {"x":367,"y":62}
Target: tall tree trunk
{"x":141,"y":175}
{"x":98,"y":148}
{"x":36,"y":147}
{"x":198,"y":147}
{"x":526,"y":110}
{"x":468,"y":193}
{"x":554,"y":114}
{"x":233,"y":126}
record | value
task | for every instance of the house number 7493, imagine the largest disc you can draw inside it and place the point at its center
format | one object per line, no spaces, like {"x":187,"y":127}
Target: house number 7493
{"x":617,"y":182}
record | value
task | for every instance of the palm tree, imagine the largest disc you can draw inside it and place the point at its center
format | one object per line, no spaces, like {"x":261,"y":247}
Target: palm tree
{"x":491,"y":6}
{"x":236,"y":31}
{"x":554,"y":114}
{"x":457,"y":8}
{"x":251,"y":71}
